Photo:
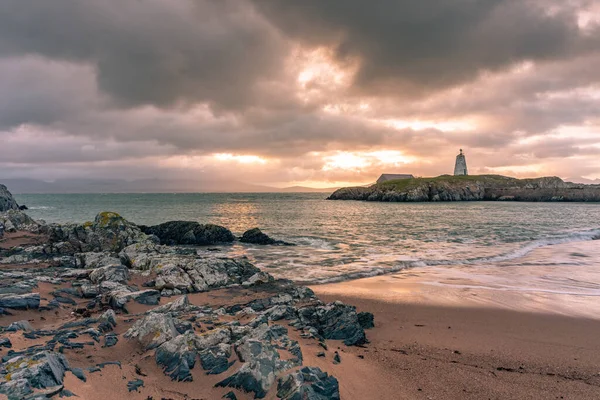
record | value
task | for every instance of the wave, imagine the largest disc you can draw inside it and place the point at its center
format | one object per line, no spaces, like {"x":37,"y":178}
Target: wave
{"x":581,"y":236}
{"x":40,"y":208}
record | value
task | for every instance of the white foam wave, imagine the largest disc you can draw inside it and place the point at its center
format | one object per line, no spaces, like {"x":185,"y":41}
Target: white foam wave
{"x":40,"y":208}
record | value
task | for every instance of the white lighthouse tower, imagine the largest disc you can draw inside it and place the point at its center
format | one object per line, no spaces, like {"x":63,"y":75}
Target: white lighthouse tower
{"x":460,"y":168}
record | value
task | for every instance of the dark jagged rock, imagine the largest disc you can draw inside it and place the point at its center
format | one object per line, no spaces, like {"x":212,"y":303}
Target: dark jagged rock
{"x":215,"y":359}
{"x":334,"y":321}
{"x":256,"y":236}
{"x":20,"y":301}
{"x":5,"y":342}
{"x":78,"y":372}
{"x":107,"y":321}
{"x":366,"y":320}
{"x":109,"y":232}
{"x":153,"y":330}
{"x":112,"y":273}
{"x":134,"y":385}
{"x":189,"y":233}
{"x":7,"y":201}
{"x":23,"y":207}
{"x":336,"y":358}
{"x":19,"y":326}
{"x":42,"y":370}
{"x":177,"y":357}
{"x":471,"y":188}
{"x":110,"y":340}
{"x":230,"y":396}
{"x":309,"y":383}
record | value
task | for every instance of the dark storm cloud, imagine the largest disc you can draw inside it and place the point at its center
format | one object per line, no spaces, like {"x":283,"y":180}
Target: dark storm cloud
{"x":151,"y":51}
{"x":118,"y":85}
{"x":430,"y":44}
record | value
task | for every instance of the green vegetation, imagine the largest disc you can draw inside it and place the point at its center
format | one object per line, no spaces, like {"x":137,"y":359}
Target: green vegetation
{"x":408,"y":184}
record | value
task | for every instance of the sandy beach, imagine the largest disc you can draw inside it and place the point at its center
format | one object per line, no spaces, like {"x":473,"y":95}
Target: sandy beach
{"x":471,"y":348}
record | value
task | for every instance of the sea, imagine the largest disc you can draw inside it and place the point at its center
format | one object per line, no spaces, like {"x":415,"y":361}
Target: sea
{"x":526,"y":247}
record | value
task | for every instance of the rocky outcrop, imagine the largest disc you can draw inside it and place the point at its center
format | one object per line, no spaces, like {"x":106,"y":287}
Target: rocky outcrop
{"x":109,"y":232}
{"x":241,"y":335}
{"x":7,"y":201}
{"x":189,"y":233}
{"x":471,"y":188}
{"x":256,"y":236}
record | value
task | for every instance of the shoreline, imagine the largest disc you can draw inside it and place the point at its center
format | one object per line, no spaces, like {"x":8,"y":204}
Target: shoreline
{"x":424,"y":351}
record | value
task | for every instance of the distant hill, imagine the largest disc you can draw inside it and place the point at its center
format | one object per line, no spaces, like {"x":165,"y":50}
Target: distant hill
{"x":21,"y":186}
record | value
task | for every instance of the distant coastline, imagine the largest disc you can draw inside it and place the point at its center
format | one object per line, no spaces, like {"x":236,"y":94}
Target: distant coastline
{"x":472,"y":188}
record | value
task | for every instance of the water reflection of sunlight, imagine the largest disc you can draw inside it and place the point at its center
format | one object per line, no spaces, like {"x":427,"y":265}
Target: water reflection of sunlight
{"x":237,"y":216}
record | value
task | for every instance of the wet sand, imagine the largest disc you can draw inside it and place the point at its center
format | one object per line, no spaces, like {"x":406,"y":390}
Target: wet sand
{"x":468,"y":349}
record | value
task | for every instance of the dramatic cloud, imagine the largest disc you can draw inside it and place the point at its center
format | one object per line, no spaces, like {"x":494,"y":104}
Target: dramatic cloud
{"x":298,"y":92}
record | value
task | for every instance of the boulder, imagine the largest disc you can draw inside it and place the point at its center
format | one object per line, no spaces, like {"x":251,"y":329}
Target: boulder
{"x":109,"y":232}
{"x":7,"y":201}
{"x":15,"y":220}
{"x":366,"y":320}
{"x":112,"y":273}
{"x":309,"y":383}
{"x":22,"y":325}
{"x":42,"y":370}
{"x":93,"y":260}
{"x":177,"y":357}
{"x":179,"y":305}
{"x":261,"y":365}
{"x":258,"y":279}
{"x":335,"y":321}
{"x":107,"y":321}
{"x":118,"y":298}
{"x":20,"y":301}
{"x":189,"y":233}
{"x":215,"y":359}
{"x":153,"y":330}
{"x":256,"y":236}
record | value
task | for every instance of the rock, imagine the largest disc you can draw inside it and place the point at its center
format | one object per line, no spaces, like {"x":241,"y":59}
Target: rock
{"x":110,"y":340}
{"x":118,"y":299}
{"x":23,"y":207}
{"x":215,"y":359}
{"x":112,"y":273}
{"x":366,"y":320}
{"x":336,"y":358}
{"x":153,"y":330}
{"x":261,"y":364}
{"x":177,"y":357}
{"x":335,"y":321}
{"x":5,"y":342}
{"x":107,"y":321}
{"x":179,"y":305}
{"x":20,"y":301}
{"x":42,"y":370}
{"x":256,"y":236}
{"x":15,"y":220}
{"x":309,"y":383}
{"x":109,"y":232}
{"x":134,"y":385}
{"x":257,"y":279}
{"x":93,"y":260}
{"x":230,"y":396}
{"x":190,"y":233}
{"x":78,"y":372}
{"x":19,"y":326}
{"x":7,"y":201}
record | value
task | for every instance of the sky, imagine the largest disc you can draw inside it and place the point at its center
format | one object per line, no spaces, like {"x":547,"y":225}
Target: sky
{"x":314,"y":93}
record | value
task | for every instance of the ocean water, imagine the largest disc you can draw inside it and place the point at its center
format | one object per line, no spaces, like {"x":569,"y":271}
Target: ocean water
{"x":341,"y":240}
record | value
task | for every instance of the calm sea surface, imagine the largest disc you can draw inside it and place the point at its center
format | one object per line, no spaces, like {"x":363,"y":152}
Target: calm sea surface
{"x":340,"y":240}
